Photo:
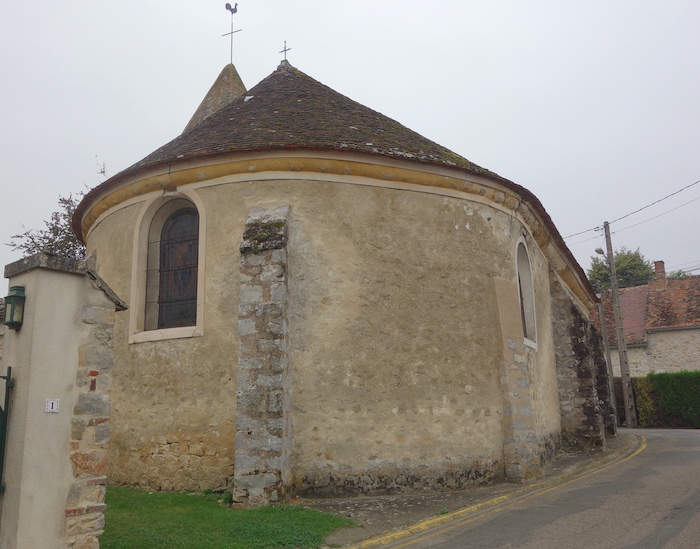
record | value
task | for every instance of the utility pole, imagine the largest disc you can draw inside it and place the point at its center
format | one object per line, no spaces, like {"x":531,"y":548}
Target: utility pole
{"x":627,"y":394}
{"x":612,"y":423}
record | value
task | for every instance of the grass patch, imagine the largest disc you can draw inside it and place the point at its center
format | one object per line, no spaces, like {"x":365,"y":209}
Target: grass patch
{"x":142,"y":520}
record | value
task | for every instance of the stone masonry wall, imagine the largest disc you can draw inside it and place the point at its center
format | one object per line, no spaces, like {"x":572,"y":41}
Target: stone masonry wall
{"x":578,"y":355}
{"x":90,"y":426}
{"x":59,"y":423}
{"x":665,"y":351}
{"x":263,"y":434}
{"x":2,"y":327}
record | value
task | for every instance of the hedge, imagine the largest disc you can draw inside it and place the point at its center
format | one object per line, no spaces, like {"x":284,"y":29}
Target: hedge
{"x":667,"y":401}
{"x":679,"y":393}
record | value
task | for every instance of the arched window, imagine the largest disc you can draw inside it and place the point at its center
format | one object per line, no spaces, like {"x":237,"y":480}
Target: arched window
{"x":171,"y":281}
{"x":527,"y":293}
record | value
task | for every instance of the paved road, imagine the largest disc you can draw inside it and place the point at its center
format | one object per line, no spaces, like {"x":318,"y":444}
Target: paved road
{"x":648,"y":501}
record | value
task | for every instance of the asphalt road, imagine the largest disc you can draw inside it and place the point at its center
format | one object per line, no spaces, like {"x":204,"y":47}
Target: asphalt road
{"x":650,"y":500}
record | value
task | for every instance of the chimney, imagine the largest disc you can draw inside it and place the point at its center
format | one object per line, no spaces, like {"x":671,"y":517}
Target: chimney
{"x":660,"y":282}
{"x":659,"y":270}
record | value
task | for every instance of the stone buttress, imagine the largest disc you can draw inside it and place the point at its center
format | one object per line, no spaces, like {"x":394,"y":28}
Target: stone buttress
{"x":263,"y":409}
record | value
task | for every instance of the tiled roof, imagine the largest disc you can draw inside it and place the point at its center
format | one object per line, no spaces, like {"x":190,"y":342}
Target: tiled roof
{"x":290,"y":110}
{"x":226,"y":88}
{"x":663,"y":303}
{"x":674,"y":304}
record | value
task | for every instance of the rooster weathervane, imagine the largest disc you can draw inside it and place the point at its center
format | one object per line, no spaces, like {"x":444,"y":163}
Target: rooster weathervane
{"x":233,"y":10}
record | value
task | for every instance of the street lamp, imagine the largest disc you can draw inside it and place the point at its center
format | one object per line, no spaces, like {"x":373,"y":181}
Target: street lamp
{"x":14,"y":308}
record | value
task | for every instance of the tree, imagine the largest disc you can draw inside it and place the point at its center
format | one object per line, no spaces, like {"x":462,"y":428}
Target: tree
{"x":680,"y":274}
{"x":631,"y":267}
{"x":57,"y":238}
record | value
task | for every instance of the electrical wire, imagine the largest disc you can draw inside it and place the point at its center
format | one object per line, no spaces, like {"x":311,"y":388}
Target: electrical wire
{"x":598,"y":228}
{"x":664,"y":213}
{"x":596,"y":237}
{"x":656,"y":202}
{"x":691,"y":263}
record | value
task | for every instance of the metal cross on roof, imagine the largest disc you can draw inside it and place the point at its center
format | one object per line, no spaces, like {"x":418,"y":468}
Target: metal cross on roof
{"x":285,"y":50}
{"x":233,"y":10}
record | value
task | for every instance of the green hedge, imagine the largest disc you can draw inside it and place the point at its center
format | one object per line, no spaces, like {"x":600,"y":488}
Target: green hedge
{"x":667,"y":401}
{"x":647,"y":403}
{"x":679,"y":393}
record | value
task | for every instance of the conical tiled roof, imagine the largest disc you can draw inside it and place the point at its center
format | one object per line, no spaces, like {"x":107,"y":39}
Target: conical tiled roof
{"x":290,"y":110}
{"x":227,"y":87}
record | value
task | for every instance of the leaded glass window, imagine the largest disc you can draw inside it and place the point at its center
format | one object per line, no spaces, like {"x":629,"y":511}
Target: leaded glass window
{"x":177,"y":287}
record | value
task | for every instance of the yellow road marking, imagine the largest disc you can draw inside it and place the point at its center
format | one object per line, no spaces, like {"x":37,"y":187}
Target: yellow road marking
{"x":466,"y":513}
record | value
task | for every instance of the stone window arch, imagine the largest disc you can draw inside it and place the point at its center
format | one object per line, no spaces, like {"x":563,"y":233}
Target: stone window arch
{"x":172,"y":266}
{"x":526,"y":293}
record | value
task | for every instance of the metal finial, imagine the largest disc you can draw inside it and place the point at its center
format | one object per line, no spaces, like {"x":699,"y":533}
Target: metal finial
{"x":233,"y":10}
{"x":285,"y":50}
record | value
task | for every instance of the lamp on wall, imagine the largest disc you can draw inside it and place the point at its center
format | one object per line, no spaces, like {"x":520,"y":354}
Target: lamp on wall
{"x":14,"y":308}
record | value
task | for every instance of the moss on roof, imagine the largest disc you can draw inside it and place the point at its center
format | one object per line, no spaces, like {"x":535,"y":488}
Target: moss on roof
{"x":291,"y":110}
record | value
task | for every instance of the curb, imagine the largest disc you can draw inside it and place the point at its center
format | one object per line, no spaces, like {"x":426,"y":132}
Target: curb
{"x":636,"y":444}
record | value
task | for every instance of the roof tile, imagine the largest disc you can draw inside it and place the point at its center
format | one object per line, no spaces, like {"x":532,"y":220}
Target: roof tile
{"x":290,"y":110}
{"x":663,"y":303}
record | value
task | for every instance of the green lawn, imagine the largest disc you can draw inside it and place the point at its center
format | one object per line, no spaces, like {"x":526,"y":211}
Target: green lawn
{"x":142,"y":520}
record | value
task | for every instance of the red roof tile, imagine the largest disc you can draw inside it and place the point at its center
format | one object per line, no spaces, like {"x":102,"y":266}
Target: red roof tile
{"x":663,"y":303}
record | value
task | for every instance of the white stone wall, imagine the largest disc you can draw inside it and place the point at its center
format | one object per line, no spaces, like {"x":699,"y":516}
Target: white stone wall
{"x":666,"y":351}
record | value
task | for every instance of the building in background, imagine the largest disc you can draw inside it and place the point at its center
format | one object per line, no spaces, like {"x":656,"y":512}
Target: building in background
{"x":662,"y":324}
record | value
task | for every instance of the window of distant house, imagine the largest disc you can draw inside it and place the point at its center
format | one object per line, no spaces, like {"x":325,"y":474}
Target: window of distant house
{"x":171,"y":281}
{"x":526,"y":293}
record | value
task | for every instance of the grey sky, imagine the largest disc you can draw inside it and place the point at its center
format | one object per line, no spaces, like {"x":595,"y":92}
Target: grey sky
{"x":592,"y":105}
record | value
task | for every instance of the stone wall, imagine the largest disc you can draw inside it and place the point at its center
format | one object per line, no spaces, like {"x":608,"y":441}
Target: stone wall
{"x":90,"y":423}
{"x":263,"y":411}
{"x":580,"y":373}
{"x":62,"y":356}
{"x":174,"y":400}
{"x":665,"y":351}
{"x":396,"y":347}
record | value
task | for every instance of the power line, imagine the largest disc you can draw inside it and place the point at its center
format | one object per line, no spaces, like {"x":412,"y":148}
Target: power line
{"x":687,"y":263}
{"x":637,"y":211}
{"x":664,"y":213}
{"x":656,"y":202}
{"x":596,"y":237}
{"x":584,"y":232}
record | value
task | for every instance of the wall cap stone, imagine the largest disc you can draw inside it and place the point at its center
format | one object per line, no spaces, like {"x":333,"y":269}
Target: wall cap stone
{"x":44,"y":260}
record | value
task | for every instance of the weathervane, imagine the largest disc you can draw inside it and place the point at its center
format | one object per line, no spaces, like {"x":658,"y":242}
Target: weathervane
{"x":285,"y":50}
{"x":233,"y":10}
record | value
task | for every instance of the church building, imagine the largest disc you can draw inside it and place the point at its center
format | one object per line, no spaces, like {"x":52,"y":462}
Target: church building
{"x":320,"y":300}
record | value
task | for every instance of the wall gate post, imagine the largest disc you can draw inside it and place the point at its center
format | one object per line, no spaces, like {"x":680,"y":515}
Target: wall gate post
{"x":61,"y":358}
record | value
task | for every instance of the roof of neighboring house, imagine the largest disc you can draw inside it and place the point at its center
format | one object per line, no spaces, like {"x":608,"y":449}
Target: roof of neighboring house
{"x":664,"y":303}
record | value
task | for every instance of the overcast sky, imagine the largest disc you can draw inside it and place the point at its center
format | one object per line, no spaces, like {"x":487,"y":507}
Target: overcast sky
{"x":592,"y":105}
